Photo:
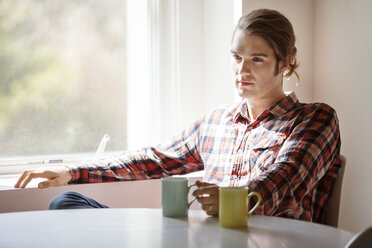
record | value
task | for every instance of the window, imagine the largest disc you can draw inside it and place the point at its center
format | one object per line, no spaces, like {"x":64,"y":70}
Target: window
{"x":63,"y":73}
{"x":138,"y":70}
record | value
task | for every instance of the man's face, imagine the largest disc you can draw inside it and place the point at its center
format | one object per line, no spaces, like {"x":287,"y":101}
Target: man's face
{"x":254,"y":67}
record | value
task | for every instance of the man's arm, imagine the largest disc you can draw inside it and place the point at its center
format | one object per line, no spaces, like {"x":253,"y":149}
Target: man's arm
{"x":179,"y":156}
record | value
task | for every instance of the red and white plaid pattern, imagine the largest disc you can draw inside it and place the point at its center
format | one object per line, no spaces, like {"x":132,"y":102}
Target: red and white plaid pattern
{"x":290,"y":155}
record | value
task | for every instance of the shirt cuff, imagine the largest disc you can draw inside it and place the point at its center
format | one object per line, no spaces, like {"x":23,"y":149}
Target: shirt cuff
{"x":75,"y":173}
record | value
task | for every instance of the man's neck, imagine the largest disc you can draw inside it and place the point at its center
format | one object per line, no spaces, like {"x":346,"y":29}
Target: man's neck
{"x":257,"y":107}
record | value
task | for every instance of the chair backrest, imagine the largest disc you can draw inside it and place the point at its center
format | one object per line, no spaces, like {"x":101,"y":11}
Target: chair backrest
{"x":333,"y":204}
{"x":362,"y":239}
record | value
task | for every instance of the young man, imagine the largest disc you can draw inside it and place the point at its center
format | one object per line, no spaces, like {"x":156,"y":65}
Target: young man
{"x":271,"y":143}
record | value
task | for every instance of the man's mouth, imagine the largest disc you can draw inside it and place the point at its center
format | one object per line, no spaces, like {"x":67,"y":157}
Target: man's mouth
{"x":245,"y":83}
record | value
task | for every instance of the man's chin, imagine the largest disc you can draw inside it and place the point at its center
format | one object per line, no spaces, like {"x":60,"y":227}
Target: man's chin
{"x":243,"y":93}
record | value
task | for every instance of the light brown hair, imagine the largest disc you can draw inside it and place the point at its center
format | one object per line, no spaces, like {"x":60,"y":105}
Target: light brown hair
{"x":277,"y":31}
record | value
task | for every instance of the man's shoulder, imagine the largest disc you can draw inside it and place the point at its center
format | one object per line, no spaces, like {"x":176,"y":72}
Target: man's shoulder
{"x":315,"y":112}
{"x":316,"y":108}
{"x":225,"y":111}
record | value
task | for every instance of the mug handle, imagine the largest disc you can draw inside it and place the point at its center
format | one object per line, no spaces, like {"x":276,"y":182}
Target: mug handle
{"x":257,"y":204}
{"x":188,"y":190}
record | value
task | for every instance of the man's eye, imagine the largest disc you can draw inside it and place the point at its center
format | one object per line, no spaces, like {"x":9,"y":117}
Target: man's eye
{"x":237,"y":57}
{"x":257,"y":59}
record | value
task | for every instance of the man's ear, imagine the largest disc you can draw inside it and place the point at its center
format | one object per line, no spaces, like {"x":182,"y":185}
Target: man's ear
{"x":283,"y":65}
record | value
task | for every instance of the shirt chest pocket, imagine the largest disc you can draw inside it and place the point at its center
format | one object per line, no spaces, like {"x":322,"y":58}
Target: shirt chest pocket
{"x":266,"y":150}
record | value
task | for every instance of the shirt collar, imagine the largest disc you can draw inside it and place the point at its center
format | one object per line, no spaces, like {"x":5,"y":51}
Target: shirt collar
{"x":278,"y":109}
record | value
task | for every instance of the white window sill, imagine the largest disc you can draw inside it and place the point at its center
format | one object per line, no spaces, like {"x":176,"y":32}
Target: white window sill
{"x":7,"y":182}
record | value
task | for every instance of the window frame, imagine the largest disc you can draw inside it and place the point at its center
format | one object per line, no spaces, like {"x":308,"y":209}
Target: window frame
{"x":138,"y":133}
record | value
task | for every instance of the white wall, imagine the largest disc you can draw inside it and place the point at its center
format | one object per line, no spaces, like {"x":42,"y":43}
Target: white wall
{"x":119,"y":194}
{"x":343,"y":53}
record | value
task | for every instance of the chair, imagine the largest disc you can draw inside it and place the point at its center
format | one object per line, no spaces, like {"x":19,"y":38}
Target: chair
{"x":362,"y":239}
{"x":333,"y":204}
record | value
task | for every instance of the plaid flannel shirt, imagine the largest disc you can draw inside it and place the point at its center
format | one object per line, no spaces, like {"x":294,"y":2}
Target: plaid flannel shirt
{"x":289,"y":154}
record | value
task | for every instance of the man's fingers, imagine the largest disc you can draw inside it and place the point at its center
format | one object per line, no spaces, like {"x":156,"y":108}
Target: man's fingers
{"x":207,"y":196}
{"x":26,"y":180}
{"x":208,"y":190}
{"x":30,"y":175}
{"x":209,"y":204}
{"x":47,"y":184}
{"x":27,"y":176}
{"x":206,"y":200}
{"x":33,"y":174}
{"x":21,"y":178}
{"x":202,"y":184}
{"x":211,"y":209}
{"x":55,"y":177}
{"x":213,"y":213}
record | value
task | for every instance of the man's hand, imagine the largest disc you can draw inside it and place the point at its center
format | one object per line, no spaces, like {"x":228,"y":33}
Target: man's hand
{"x":207,"y":196}
{"x":56,"y":177}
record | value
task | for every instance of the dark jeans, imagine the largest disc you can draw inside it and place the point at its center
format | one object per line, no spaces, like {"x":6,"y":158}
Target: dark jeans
{"x":73,"y":200}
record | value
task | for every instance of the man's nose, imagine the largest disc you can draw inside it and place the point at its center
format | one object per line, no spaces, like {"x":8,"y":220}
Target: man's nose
{"x":244,"y":67}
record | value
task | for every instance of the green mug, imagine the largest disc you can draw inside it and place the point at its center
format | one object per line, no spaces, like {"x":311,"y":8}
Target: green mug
{"x":174,"y":196}
{"x":233,"y":206}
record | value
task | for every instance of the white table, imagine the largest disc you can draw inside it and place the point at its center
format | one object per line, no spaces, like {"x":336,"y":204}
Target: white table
{"x":147,"y":228}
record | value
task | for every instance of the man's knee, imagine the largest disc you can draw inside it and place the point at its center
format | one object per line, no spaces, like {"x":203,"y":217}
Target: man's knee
{"x":65,"y":200}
